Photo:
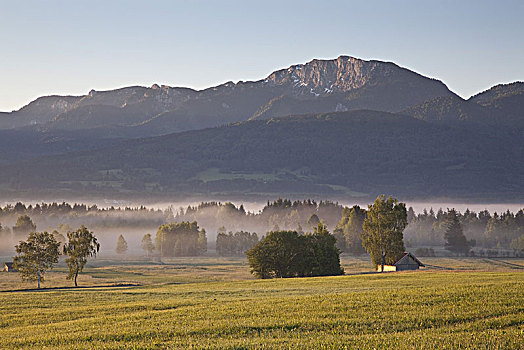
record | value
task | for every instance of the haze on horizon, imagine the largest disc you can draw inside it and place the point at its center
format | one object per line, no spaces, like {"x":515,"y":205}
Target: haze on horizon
{"x":69,"y":48}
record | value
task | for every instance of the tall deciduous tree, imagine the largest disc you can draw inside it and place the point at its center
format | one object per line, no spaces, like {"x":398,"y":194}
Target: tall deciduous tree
{"x":147,"y":244}
{"x":36,"y":255}
{"x":121,"y":245}
{"x":81,"y":244}
{"x":383,"y":230}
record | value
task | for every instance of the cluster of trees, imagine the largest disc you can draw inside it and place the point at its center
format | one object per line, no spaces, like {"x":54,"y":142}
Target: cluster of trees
{"x":379,"y":230}
{"x":17,"y":221}
{"x":281,"y":214}
{"x":291,"y":254}
{"x":234,"y":244}
{"x":487,"y":231}
{"x":41,"y":251}
{"x":146,"y":245}
{"x":180,"y":239}
{"x":425,"y":229}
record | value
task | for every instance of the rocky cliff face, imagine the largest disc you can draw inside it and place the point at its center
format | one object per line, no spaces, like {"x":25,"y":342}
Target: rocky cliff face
{"x":344,"y":74}
{"x":324,"y":77}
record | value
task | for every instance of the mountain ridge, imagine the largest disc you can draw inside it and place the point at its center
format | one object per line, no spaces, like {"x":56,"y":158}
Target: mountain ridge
{"x":341,"y":127}
{"x":347,"y":82}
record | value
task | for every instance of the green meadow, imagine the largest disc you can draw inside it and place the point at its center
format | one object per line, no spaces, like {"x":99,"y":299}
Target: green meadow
{"x":215,"y":303}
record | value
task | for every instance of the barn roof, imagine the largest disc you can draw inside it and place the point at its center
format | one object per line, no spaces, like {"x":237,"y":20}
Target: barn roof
{"x":411,"y":256}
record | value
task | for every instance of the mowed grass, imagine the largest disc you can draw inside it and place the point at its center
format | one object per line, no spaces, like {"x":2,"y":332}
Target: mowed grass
{"x":431,"y":309}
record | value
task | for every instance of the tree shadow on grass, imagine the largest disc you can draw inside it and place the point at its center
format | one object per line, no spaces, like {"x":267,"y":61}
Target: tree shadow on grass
{"x":120,"y":285}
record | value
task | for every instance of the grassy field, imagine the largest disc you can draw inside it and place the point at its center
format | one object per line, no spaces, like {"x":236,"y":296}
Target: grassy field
{"x":215,"y":303}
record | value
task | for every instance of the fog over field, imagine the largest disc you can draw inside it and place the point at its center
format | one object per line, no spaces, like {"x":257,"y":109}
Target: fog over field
{"x":110,"y":218}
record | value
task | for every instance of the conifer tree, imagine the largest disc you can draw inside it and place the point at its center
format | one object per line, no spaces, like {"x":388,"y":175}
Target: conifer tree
{"x":121,"y":245}
{"x":455,"y":240}
{"x":147,"y":244}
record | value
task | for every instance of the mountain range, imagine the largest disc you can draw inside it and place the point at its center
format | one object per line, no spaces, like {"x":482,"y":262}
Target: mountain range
{"x":341,"y":127}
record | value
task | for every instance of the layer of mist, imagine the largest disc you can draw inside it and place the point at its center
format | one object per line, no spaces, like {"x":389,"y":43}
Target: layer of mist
{"x":108,"y":220}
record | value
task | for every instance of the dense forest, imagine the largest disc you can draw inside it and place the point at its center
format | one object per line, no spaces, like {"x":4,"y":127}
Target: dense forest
{"x":232,"y":230}
{"x":335,"y":155}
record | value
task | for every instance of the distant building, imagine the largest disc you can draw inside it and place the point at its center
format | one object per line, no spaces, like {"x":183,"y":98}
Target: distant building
{"x":8,"y":267}
{"x":407,"y":262}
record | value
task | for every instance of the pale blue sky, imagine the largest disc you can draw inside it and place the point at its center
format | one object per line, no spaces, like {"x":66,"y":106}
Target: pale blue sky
{"x":70,"y":47}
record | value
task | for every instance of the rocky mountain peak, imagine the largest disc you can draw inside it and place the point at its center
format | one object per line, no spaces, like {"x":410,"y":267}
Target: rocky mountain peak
{"x":320,"y":85}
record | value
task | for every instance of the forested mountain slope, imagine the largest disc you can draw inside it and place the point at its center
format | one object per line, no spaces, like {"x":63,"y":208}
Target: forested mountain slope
{"x":346,"y":153}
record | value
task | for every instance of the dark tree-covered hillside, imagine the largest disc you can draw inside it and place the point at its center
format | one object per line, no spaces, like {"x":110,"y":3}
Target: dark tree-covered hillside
{"x":358,"y":153}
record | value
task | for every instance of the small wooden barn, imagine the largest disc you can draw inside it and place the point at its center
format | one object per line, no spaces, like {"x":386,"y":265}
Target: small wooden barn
{"x":408,"y":261}
{"x":8,"y":267}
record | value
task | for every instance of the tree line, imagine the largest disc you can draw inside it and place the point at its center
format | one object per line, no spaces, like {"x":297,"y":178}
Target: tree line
{"x":458,"y":233}
{"x":234,"y":244}
{"x":490,"y":231}
{"x":483,"y":230}
{"x":485,"y":233}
